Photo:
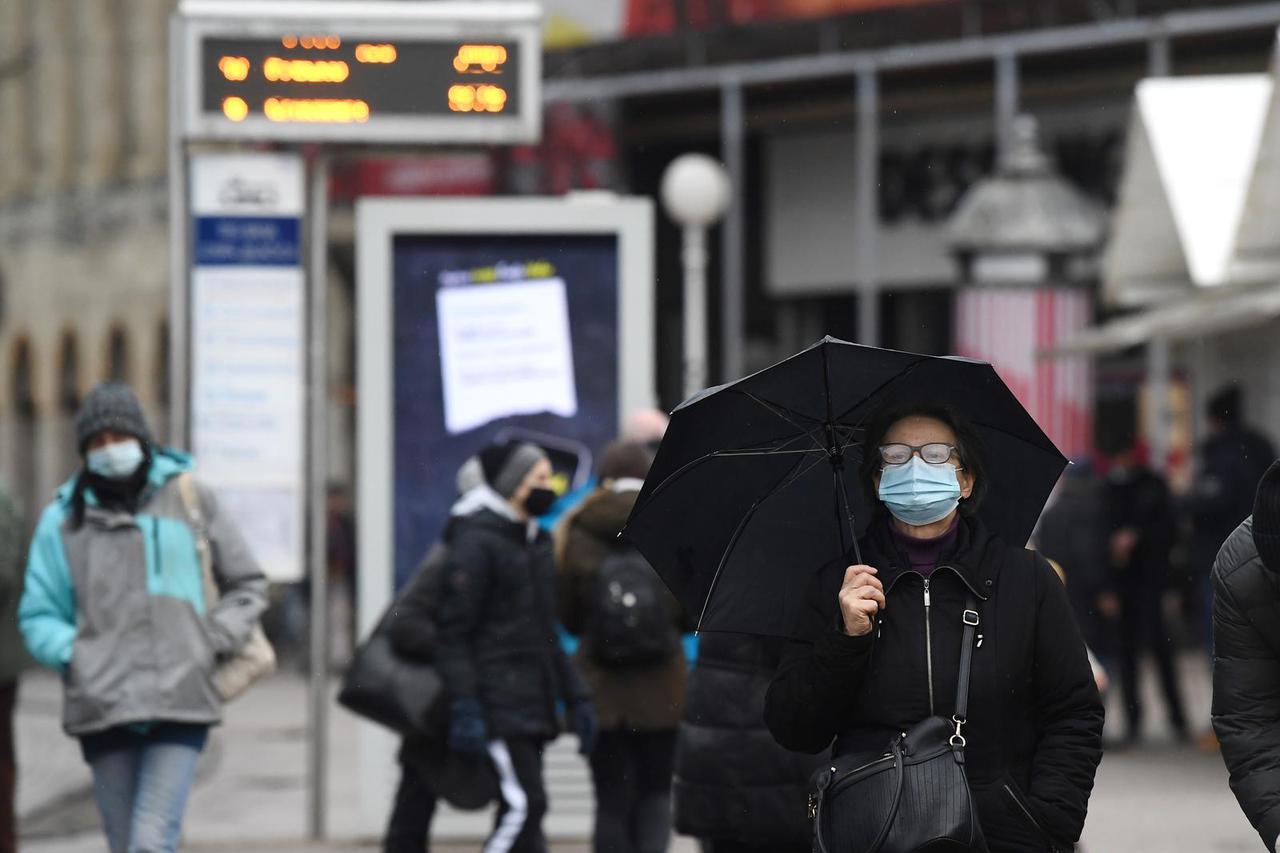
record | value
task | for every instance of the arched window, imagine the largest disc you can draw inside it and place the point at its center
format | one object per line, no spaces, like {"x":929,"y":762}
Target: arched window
{"x":24,"y":398}
{"x":118,"y":355}
{"x":69,"y":374}
{"x":24,"y":436}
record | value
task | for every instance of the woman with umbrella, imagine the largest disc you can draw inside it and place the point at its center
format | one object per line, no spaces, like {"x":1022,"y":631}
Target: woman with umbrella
{"x":878,"y":644}
{"x":887,"y":586}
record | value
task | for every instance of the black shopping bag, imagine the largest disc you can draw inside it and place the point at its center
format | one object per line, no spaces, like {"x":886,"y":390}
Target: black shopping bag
{"x":388,"y":688}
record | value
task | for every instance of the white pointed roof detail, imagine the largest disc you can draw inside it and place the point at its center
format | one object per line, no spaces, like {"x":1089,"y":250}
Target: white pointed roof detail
{"x":1257,"y":248}
{"x":1193,"y":144}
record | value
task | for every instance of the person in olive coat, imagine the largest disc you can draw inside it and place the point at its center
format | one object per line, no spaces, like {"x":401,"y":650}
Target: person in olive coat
{"x":638,"y":704}
{"x":878,"y":650}
{"x":1246,"y":661}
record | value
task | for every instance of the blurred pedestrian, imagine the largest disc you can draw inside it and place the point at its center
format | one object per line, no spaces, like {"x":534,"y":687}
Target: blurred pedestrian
{"x":862,"y":672}
{"x":114,"y":601}
{"x":630,"y":656}
{"x":12,"y":660}
{"x":1141,"y":526}
{"x":1246,"y":663}
{"x":647,"y":427}
{"x":1071,"y":533}
{"x":644,"y":426}
{"x":340,"y":550}
{"x":497,"y":649}
{"x":413,"y":634}
{"x":1230,"y":462}
{"x":735,"y":788}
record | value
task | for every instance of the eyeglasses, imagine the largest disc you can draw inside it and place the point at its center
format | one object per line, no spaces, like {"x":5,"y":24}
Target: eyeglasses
{"x":935,"y":453}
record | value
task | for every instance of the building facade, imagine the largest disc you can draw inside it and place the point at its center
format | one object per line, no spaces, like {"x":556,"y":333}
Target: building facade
{"x":849,"y":129}
{"x":83,"y":233}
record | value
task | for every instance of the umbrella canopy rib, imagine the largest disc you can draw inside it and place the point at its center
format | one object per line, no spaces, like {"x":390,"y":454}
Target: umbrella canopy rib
{"x":788,"y":415}
{"x":797,"y":471}
{"x":898,"y":377}
{"x":759,"y":450}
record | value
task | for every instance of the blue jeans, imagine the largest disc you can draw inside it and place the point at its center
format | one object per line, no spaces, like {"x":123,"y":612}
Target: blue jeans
{"x":141,"y":779}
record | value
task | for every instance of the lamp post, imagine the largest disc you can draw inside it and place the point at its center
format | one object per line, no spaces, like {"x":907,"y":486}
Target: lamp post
{"x":1027,"y":244}
{"x":695,"y":194}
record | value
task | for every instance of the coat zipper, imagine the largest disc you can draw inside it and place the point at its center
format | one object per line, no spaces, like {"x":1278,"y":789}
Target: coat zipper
{"x":928,"y":642}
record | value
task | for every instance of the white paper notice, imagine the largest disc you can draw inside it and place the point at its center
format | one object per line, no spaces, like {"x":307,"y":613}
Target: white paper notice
{"x":505,"y":349}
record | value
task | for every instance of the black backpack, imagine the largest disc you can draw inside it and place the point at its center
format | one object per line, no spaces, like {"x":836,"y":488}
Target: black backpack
{"x":630,"y":619}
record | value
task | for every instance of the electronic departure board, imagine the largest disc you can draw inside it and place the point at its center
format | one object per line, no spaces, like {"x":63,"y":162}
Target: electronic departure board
{"x":429,"y":72}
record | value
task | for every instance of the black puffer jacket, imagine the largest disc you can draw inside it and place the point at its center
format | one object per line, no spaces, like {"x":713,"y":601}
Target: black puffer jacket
{"x":733,"y":782}
{"x":1035,"y":718}
{"x":496,"y":638}
{"x":1246,"y":678}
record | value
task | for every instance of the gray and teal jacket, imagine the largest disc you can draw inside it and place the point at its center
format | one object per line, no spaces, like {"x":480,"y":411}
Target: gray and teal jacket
{"x":117,"y":604}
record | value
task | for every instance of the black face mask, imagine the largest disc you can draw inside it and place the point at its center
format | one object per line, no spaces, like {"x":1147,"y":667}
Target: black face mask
{"x":539,"y":502}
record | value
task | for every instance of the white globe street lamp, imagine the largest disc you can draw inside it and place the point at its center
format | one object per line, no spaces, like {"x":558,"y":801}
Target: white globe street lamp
{"x":695,"y":194}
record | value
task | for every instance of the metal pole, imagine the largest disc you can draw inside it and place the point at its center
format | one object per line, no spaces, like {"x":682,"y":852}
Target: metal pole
{"x":866,"y":206}
{"x":317,"y":473}
{"x":695,"y":309}
{"x":1006,"y":100}
{"x":732,"y":234}
{"x":1158,"y":372}
{"x":1159,"y":55}
{"x":179,"y":275}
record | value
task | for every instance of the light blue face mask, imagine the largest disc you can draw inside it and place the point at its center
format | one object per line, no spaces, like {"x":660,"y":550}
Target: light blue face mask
{"x":918,"y":493}
{"x":116,"y":461}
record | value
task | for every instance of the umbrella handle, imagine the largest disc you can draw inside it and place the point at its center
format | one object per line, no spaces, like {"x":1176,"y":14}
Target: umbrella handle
{"x":842,"y":497}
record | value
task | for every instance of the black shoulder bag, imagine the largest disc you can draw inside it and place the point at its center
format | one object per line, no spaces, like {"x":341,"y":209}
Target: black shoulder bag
{"x":916,"y":794}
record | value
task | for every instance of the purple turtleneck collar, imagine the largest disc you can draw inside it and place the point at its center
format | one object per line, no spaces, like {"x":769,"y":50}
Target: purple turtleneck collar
{"x":923,"y":554}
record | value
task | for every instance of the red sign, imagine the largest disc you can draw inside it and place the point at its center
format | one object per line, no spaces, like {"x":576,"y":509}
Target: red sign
{"x":445,"y":174}
{"x":656,"y":17}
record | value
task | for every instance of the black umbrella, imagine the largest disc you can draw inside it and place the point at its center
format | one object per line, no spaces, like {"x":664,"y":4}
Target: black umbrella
{"x":756,"y":484}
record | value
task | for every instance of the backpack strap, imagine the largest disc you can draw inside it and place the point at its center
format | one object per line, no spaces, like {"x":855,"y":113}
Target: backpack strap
{"x":195,"y":516}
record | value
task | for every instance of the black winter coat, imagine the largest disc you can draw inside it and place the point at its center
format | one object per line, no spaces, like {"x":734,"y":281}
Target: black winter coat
{"x":1231,"y":464}
{"x":1138,"y":499}
{"x":733,"y":782}
{"x":496,"y":638}
{"x":1246,"y":678}
{"x":412,"y":625}
{"x":1035,"y":717}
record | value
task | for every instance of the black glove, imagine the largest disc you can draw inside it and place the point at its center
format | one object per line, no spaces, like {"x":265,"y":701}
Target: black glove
{"x":467,"y":731}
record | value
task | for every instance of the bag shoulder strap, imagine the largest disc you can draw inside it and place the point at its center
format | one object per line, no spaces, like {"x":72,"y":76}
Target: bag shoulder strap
{"x":191,"y":503}
{"x":972,"y":619}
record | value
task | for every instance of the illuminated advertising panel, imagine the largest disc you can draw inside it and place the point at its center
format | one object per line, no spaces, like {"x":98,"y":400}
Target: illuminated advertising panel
{"x":399,"y":72}
{"x":485,"y":320}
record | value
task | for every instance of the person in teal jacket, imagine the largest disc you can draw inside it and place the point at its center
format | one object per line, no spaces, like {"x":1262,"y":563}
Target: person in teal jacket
{"x":114,"y":601}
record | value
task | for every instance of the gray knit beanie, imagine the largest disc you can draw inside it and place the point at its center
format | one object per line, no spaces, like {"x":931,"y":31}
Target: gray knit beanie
{"x":113,"y":406}
{"x":470,"y":475}
{"x":506,"y":465}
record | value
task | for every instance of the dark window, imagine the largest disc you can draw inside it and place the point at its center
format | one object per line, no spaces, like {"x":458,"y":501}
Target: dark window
{"x":118,"y":355}
{"x":69,"y":375}
{"x":24,"y":398}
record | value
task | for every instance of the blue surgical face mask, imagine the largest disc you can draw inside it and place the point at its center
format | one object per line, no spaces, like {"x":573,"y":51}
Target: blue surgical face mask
{"x":116,"y":461}
{"x":918,"y":493}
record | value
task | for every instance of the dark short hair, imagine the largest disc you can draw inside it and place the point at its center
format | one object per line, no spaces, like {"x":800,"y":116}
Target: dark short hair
{"x":624,"y":459}
{"x":968,"y":447}
{"x":1226,"y":405}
